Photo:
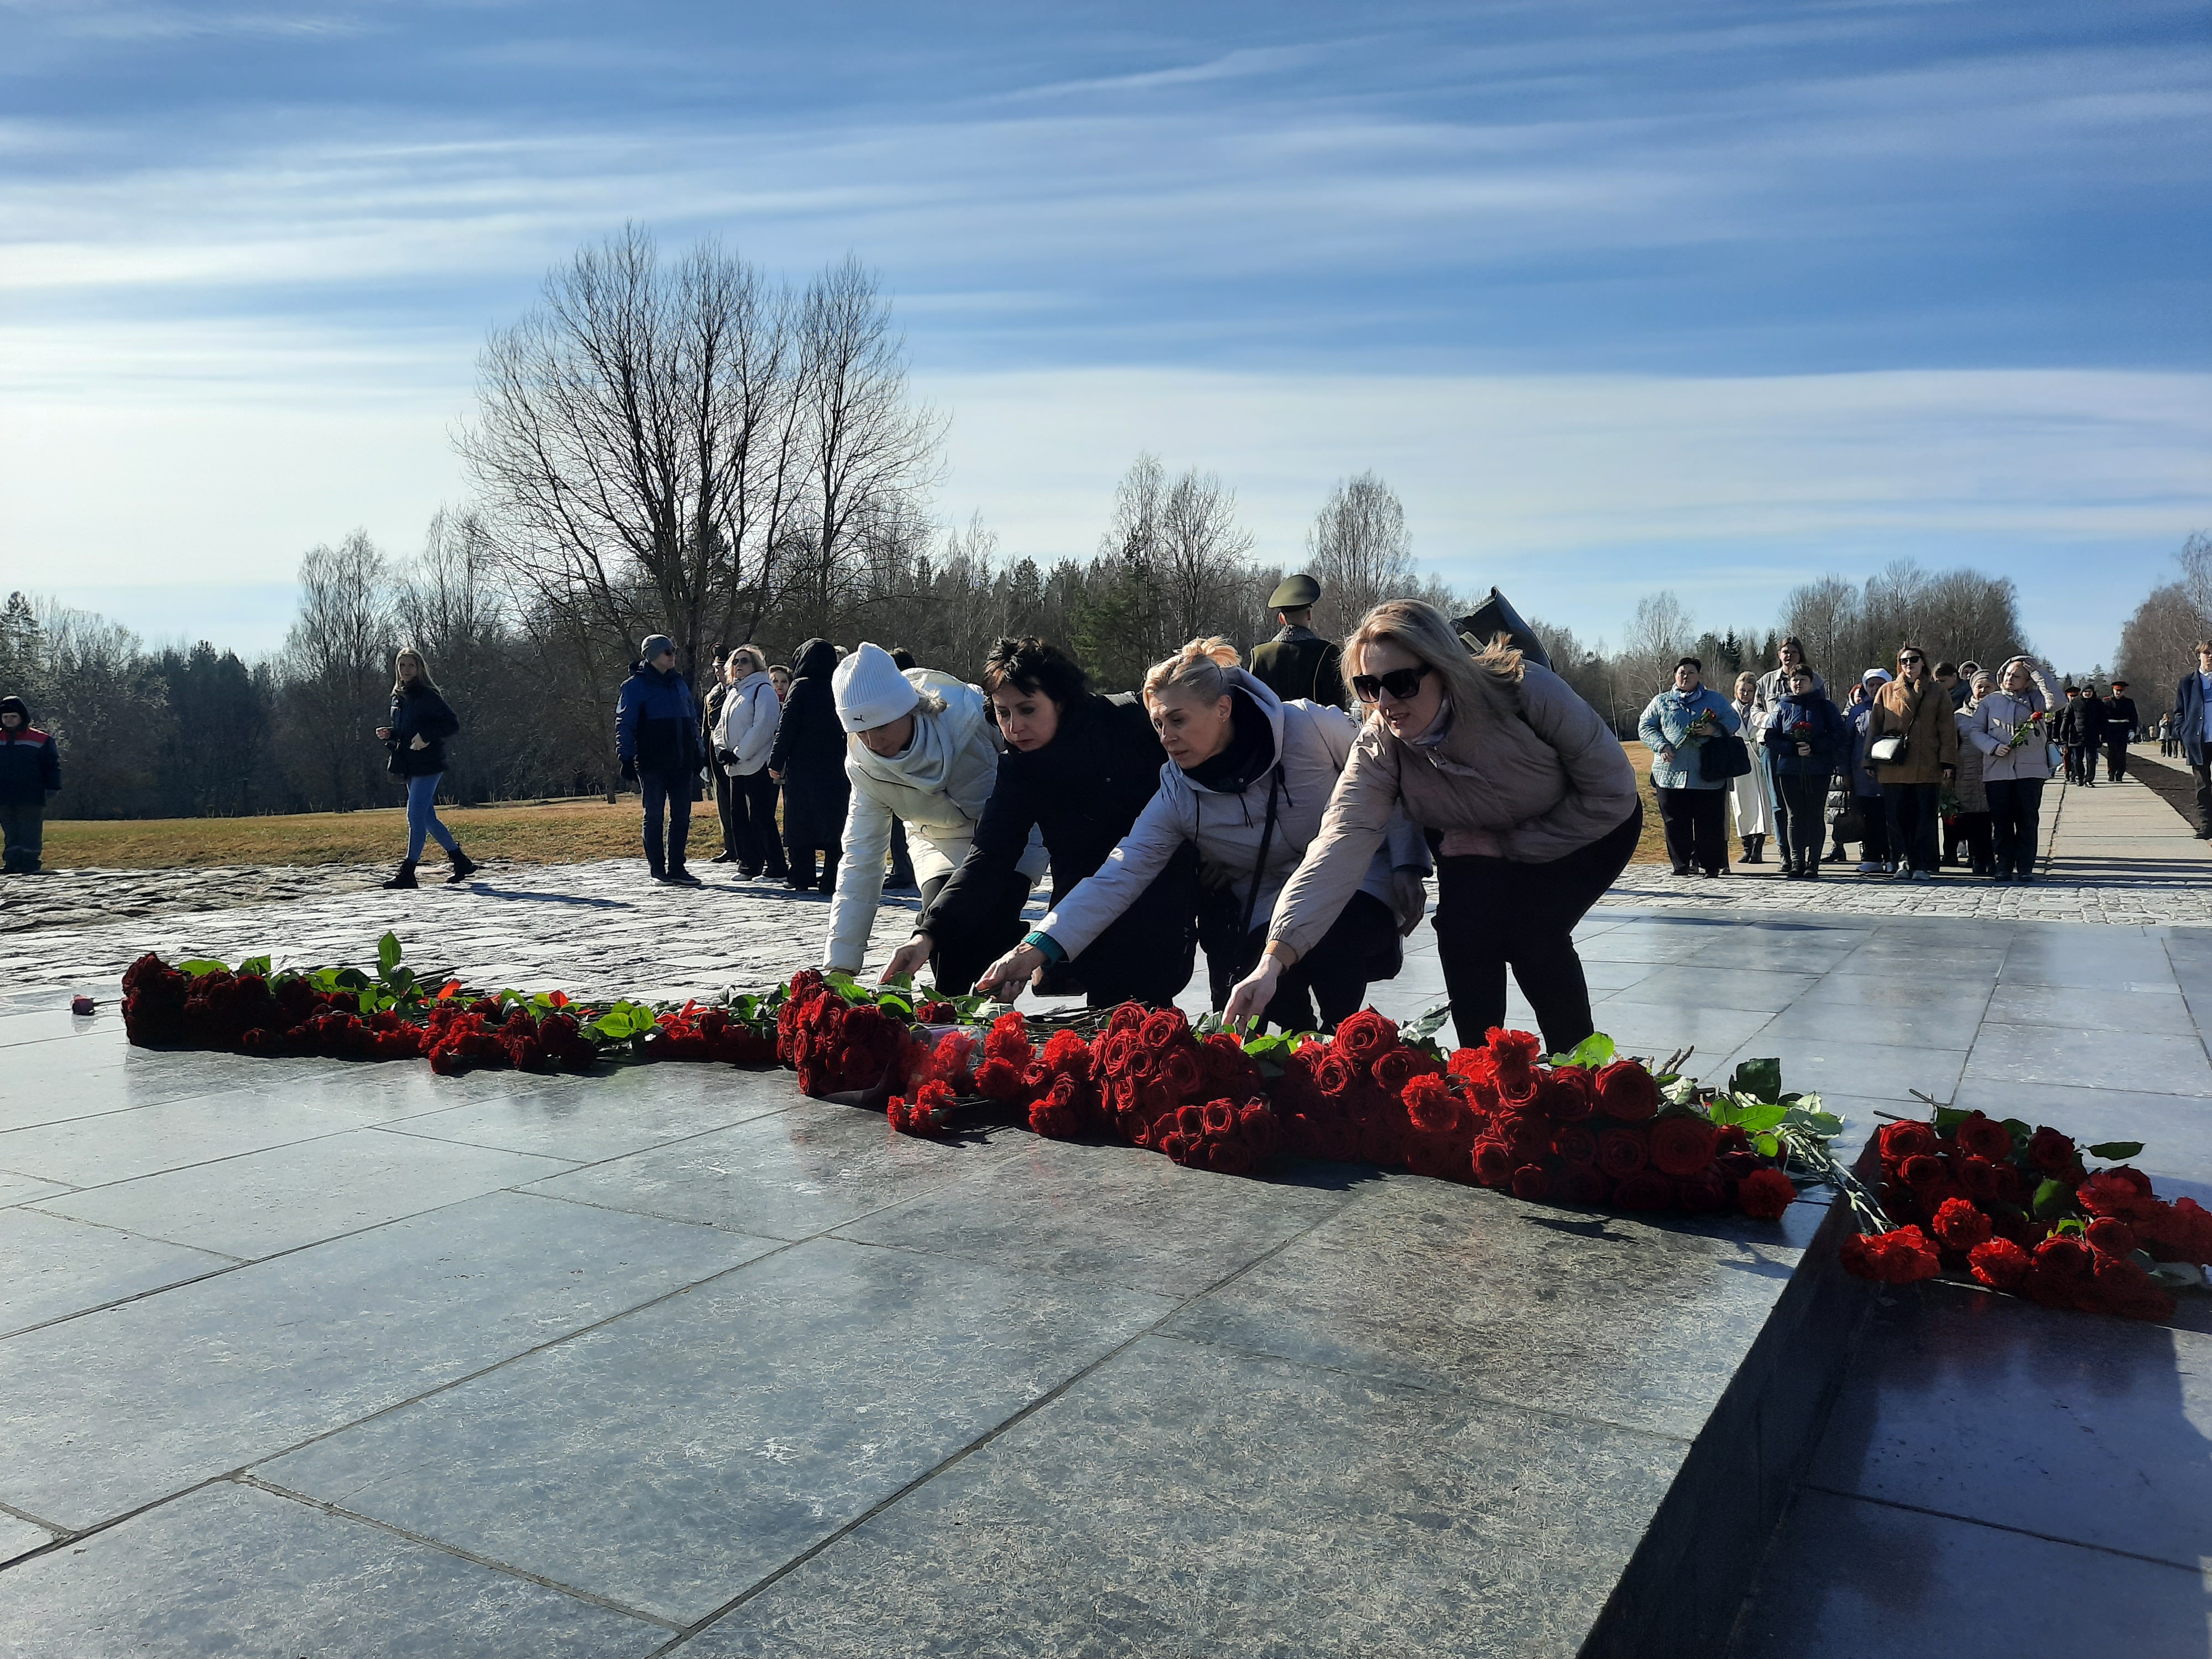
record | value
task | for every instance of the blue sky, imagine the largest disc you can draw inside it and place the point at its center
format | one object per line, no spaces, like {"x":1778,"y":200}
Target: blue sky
{"x":1715,"y":297}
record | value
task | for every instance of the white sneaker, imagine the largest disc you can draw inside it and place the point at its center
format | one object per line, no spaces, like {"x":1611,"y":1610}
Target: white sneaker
{"x":1868,"y":867}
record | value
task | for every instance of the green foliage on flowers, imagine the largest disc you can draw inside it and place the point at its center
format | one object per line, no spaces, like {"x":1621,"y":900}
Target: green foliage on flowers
{"x":624,"y":1021}
{"x":1595,"y":1051}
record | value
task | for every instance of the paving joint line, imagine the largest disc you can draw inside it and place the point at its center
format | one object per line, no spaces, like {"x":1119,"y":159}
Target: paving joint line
{"x":2195,"y":1569}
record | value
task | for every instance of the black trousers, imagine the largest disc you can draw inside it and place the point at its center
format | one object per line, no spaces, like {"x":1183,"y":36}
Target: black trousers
{"x":1696,"y":823}
{"x":2203,"y":776}
{"x":2015,"y":804}
{"x":758,"y":846}
{"x":23,"y":827}
{"x":1977,"y":831}
{"x":1361,"y":946}
{"x":961,"y":955}
{"x":1493,"y":914}
{"x":671,"y":792}
{"x":1801,"y":804}
{"x":725,"y":809}
{"x":2116,"y":758}
{"x":1915,"y":812}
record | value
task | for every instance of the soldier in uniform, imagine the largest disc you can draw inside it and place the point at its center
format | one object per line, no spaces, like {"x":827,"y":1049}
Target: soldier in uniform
{"x":1298,"y":662}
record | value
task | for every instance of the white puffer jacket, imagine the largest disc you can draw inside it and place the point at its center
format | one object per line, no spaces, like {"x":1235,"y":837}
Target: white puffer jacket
{"x":1991,"y":723}
{"x":1311,"y":742}
{"x":937,"y":787}
{"x":746,"y":728}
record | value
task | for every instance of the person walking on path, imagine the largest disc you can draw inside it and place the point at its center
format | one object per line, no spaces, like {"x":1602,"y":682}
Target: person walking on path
{"x":1248,"y":782}
{"x":808,"y":759}
{"x":1913,"y":740}
{"x":1676,"y":726}
{"x":1877,"y":856}
{"x":1533,"y":800}
{"x":2120,"y":723}
{"x":920,"y":751}
{"x":30,"y":774}
{"x":1078,"y":770}
{"x":1298,"y":663}
{"x":1809,"y":739}
{"x":745,"y":732}
{"x":2165,"y":744}
{"x":656,"y":741}
{"x":1971,"y":827}
{"x":414,"y":736}
{"x":2011,"y":728}
{"x":2192,"y":722}
{"x":2085,"y":727}
{"x":1753,"y":797}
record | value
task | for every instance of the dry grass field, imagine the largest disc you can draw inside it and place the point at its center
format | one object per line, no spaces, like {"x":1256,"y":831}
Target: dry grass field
{"x":530,"y":832}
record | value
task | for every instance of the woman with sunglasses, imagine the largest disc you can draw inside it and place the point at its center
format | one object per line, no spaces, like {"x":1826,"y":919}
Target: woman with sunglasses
{"x":1913,"y":738}
{"x":1248,"y":779}
{"x":1533,"y":800}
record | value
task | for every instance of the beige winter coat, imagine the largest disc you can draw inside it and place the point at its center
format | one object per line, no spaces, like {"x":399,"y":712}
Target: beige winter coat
{"x":1929,"y":725}
{"x":1530,"y":783}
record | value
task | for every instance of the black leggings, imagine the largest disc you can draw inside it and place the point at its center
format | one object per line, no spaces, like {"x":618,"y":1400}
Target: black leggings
{"x":1493,"y":915}
{"x":1361,"y":946}
{"x":1696,"y":822}
{"x":961,"y":955}
{"x":758,"y":844}
{"x":1801,"y":802}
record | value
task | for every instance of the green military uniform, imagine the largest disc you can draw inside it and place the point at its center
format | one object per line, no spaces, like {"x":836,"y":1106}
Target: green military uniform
{"x":1298,"y":662}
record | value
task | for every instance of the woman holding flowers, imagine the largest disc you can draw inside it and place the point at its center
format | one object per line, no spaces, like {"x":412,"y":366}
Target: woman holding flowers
{"x":1531,"y":800}
{"x":2011,"y":728}
{"x":1805,"y":739}
{"x":1248,"y":779}
{"x":1677,"y":723}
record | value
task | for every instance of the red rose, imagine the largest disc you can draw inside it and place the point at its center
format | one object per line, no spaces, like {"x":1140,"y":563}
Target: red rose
{"x":2123,"y":1193}
{"x":1395,"y":1068}
{"x":1584,"y":1183}
{"x":1218,"y":1117}
{"x":1645,"y":1189}
{"x":1127,"y":1017}
{"x":1262,"y":1130}
{"x":1998,"y":1263}
{"x":2050,"y":1151}
{"x":1575,"y":1144}
{"x":1976,"y":1176}
{"x":1493,"y":1162}
{"x":1183,"y":1073}
{"x":1532,"y":1183}
{"x":1569,"y":1094}
{"x":1899,"y":1257}
{"x":1763,"y":1194}
{"x":1703,"y":1192}
{"x":2123,"y":1288}
{"x":1229,"y":1155}
{"x":1620,"y":1153}
{"x":1136,"y":1128}
{"x":1528,"y":1138}
{"x":1899,"y":1141}
{"x":1166,"y":1028}
{"x":1365,"y":1036}
{"x":1984,"y":1137}
{"x":1682,"y":1145}
{"x":1332,"y":1075}
{"x":1626,"y":1092}
{"x":1923,"y":1173}
{"x":1175,"y":1146}
{"x":1190,"y":1120}
{"x":2065,"y":1257}
{"x":2112,"y":1235}
{"x":1732,"y":1140}
{"x":1960,"y":1226}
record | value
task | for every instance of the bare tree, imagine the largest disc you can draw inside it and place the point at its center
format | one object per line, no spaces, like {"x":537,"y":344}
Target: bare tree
{"x":338,"y":667}
{"x":1824,"y":614}
{"x":1660,"y":632}
{"x":1199,"y":566}
{"x":1358,"y":550}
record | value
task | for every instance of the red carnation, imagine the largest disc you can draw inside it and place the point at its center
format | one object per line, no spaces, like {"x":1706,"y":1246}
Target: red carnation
{"x":1531,"y":1182}
{"x":1478,"y":1067}
{"x":2122,"y":1192}
{"x":1682,"y":1145}
{"x":1067,"y":1054}
{"x":2051,"y":1152}
{"x":1007,"y":1039}
{"x":1493,"y":1162}
{"x":1899,"y":1141}
{"x":1763,"y":1194}
{"x":1957,"y":1226}
{"x":1899,"y":1257}
{"x":1574,"y":1143}
{"x":1999,"y":1263}
{"x":2112,"y":1235}
{"x":1513,"y":1050}
{"x":1645,"y":1189}
{"x":1620,"y":1153}
{"x":1626,"y":1092}
{"x":1983,"y":1137}
{"x":1000,"y":1080}
{"x":2064,"y":1256}
{"x":1430,"y":1107}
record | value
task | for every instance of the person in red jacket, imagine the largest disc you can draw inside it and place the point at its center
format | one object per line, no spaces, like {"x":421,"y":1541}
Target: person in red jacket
{"x":30,"y":771}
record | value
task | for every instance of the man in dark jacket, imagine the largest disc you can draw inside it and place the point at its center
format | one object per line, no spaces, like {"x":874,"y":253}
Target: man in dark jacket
{"x":1298,"y":662}
{"x":658,"y":740}
{"x":2085,"y":726}
{"x":2192,"y":726}
{"x":2120,"y":721}
{"x":30,"y":771}
{"x":809,"y":761}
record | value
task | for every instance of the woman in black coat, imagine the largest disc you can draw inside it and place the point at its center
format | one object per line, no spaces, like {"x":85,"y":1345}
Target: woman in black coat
{"x":415,"y":737}
{"x":1079,"y":768}
{"x":809,"y":762}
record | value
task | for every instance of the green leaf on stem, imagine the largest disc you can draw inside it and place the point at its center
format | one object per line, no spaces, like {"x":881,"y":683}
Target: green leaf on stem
{"x":2052,"y":1197}
{"x":2117,"y":1151}
{"x":255,"y":965}
{"x":201,"y":967}
{"x":387,"y":953}
{"x":1759,"y":1077}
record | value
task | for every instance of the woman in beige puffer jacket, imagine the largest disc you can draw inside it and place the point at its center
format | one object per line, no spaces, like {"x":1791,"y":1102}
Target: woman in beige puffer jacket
{"x":1913,"y":707}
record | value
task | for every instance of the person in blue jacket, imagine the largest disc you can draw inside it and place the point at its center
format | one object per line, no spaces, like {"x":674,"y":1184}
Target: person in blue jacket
{"x":1692,"y":807}
{"x":657,"y":740}
{"x":2192,"y":725}
{"x":1807,"y":739}
{"x":30,"y":771}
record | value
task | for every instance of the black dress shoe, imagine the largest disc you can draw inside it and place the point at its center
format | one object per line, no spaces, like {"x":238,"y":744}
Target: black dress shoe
{"x":723,"y":858}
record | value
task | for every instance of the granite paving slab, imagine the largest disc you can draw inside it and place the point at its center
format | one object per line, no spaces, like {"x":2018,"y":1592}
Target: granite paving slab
{"x":2020,"y":1416}
{"x":673,"y":1459}
{"x":1822,"y":1065}
{"x":2072,"y":1007}
{"x":1184,"y":1500}
{"x":20,"y":1538}
{"x":639,"y":1108}
{"x":55,"y":1022}
{"x":790,"y":1175}
{"x":232,"y":1569}
{"x":20,"y":1189}
{"x":117,"y":1408}
{"x":56,"y":1266}
{"x":1638,"y":1323}
{"x":261,"y":1203}
{"x":1098,"y":1213}
{"x":2147,"y":1062}
{"x":1702,"y":985}
{"x":1918,"y":1584}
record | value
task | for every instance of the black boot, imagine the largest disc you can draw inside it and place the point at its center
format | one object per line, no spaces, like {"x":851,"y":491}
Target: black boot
{"x":404,"y":876}
{"x":1754,"y":849}
{"x":463,"y":867}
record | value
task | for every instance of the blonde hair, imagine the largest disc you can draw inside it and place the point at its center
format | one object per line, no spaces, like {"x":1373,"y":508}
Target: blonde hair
{"x":1475,"y":676}
{"x":1199,"y":670}
{"x":421,"y":670}
{"x":750,"y":653}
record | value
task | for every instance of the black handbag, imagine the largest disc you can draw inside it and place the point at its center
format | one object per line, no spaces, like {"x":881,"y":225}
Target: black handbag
{"x":1721,"y":757}
{"x":1496,"y":616}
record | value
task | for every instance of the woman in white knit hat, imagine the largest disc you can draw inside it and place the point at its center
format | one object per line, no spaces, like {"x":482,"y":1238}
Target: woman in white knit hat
{"x":920,"y":751}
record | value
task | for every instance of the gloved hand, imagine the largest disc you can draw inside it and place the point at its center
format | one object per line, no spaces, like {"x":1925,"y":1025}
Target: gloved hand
{"x":630,"y":773}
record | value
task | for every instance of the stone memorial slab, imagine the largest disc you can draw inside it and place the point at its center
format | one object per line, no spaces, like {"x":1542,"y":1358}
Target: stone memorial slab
{"x":634,"y":1111}
{"x":56,"y":1267}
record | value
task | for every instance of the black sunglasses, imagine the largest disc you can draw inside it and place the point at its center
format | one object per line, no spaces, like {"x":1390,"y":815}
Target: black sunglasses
{"x":1912,"y":660}
{"x":1401,"y":682}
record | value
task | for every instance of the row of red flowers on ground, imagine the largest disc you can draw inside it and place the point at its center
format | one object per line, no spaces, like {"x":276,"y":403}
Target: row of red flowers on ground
{"x":2019,"y":1210}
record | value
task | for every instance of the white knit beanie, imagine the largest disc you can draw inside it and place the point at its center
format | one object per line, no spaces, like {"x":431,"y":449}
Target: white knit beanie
{"x":871,"y":690}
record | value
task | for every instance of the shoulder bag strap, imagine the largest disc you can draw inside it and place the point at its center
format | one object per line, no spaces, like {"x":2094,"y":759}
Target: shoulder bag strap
{"x":1258,"y":870}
